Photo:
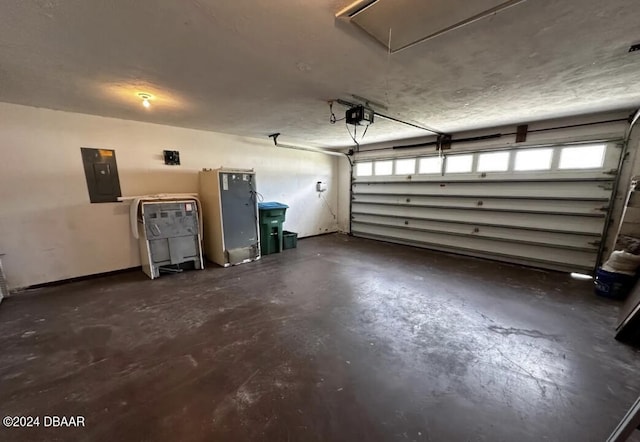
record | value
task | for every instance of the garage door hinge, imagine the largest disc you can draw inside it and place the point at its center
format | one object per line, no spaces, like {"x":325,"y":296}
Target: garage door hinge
{"x":607,"y":186}
{"x":521,"y":134}
{"x":595,"y":243}
{"x":444,"y":142}
{"x":604,"y":209}
{"x":611,"y":172}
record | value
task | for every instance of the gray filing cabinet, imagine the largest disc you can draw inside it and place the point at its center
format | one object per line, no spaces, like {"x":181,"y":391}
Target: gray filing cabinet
{"x":230,"y":207}
{"x":169,"y":235}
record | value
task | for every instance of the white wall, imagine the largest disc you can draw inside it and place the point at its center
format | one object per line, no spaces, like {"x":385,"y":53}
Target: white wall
{"x":50,"y":231}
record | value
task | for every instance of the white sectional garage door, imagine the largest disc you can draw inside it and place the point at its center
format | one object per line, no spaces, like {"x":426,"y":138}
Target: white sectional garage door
{"x":542,"y":206}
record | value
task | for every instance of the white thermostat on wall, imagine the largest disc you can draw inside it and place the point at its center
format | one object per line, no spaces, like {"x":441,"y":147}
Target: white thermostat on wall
{"x":321,"y":186}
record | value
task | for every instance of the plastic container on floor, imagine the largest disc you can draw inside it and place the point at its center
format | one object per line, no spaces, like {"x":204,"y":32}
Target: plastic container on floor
{"x":612,"y":285}
{"x":272,"y":215}
{"x":290,"y":240}
{"x":622,"y":262}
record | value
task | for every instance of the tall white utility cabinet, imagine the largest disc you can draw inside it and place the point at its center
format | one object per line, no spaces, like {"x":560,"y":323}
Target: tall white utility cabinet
{"x":230,"y":208}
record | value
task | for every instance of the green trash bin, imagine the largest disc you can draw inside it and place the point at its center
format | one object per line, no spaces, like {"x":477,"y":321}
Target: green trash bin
{"x":272,"y":216}
{"x":290,"y":240}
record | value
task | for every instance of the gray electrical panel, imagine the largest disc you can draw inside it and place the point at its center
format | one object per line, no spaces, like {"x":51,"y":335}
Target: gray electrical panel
{"x":169,"y":236}
{"x":101,"y":173}
{"x":231,"y":222}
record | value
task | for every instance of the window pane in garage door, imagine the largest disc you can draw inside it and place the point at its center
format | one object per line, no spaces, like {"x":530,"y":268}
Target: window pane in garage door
{"x":534,"y":159}
{"x":493,"y":161}
{"x":383,"y":167}
{"x":582,"y":157}
{"x":364,"y":169}
{"x":406,"y":166}
{"x":430,"y":165}
{"x":459,"y":163}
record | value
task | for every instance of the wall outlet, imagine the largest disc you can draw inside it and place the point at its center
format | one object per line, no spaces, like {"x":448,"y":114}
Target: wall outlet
{"x":321,"y":186}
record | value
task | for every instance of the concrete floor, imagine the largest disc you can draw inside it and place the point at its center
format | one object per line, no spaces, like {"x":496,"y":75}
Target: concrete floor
{"x":342,"y":339}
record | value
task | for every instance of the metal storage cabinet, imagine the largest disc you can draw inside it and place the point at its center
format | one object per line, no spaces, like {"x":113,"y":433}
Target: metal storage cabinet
{"x":230,"y":208}
{"x":169,"y":235}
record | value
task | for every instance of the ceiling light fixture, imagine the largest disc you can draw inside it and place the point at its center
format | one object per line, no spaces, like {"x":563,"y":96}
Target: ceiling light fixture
{"x":145,"y":99}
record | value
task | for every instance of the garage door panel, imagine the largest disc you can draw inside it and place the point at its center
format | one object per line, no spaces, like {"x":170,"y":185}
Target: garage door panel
{"x":557,"y":223}
{"x":487,"y":178}
{"x":593,"y":208}
{"x":580,"y":260}
{"x":545,"y":264}
{"x":553,"y":239}
{"x":588,"y":190}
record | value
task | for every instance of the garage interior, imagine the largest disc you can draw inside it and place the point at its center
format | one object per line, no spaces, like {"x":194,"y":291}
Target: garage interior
{"x":451,"y":185}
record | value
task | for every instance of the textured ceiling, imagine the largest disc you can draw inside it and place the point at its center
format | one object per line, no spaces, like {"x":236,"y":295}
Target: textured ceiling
{"x":256,"y":67}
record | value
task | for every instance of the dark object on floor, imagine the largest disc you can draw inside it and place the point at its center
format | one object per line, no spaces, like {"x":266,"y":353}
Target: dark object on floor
{"x":612,"y":285}
{"x":289,"y":240}
{"x":628,"y":328}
